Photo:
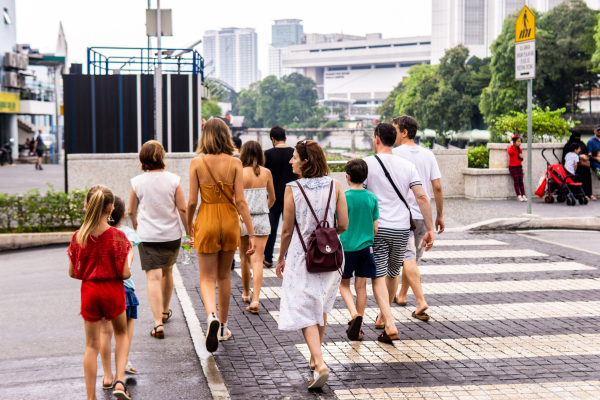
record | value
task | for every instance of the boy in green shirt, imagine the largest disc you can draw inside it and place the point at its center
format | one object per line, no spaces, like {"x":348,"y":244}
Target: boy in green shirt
{"x":363,"y":213}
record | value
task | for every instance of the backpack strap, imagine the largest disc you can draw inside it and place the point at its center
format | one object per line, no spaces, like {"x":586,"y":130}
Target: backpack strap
{"x":313,"y":212}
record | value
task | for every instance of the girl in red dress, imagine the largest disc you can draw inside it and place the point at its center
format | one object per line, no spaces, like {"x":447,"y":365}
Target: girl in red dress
{"x":100,"y":256}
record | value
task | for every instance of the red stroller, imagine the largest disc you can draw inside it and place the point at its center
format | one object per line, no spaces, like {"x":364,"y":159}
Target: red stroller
{"x":557,"y":181}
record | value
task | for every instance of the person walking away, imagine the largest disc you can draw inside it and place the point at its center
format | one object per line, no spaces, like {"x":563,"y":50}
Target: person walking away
{"x":583,"y":170}
{"x":515,"y":166}
{"x":237,"y":143}
{"x":100,"y":256}
{"x":156,"y":207}
{"x":391,"y":178}
{"x":117,"y":220}
{"x":260,"y":196}
{"x":277,"y":160}
{"x":363,"y":213}
{"x":216,"y":232}
{"x":592,"y":145}
{"x":572,"y":158}
{"x":307,"y":298}
{"x":39,"y":150}
{"x":428,"y":170}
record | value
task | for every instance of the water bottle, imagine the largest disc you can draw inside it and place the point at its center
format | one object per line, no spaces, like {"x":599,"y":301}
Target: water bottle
{"x":187,"y":251}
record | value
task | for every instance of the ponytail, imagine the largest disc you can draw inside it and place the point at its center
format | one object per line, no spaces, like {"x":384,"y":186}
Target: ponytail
{"x":98,"y":199}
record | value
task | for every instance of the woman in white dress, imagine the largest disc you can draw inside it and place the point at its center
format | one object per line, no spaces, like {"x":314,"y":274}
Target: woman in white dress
{"x":307,"y":298}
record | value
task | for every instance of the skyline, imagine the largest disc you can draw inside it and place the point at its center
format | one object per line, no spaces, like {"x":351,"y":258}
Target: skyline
{"x":190,"y":21}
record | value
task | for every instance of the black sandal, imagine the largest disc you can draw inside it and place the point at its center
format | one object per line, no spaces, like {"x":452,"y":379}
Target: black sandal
{"x":354,"y":332}
{"x":168,"y":314}
{"x":121,"y":394}
{"x":157,"y":334}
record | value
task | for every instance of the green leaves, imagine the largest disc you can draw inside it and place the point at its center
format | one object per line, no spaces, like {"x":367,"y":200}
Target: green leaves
{"x":210,"y":109}
{"x":32,"y":212}
{"x":543,"y":122}
{"x":479,"y":157}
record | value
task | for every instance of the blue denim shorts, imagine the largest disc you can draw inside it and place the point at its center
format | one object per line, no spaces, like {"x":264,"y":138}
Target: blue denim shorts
{"x":131,"y":301}
{"x":360,"y":263}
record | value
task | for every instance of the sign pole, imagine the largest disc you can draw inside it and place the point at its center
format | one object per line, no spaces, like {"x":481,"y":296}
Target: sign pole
{"x":529,"y":144}
{"x":158,"y":78}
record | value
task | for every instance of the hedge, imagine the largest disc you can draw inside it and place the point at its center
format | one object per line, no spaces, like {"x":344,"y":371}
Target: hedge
{"x":32,"y":212}
{"x":479,"y":157}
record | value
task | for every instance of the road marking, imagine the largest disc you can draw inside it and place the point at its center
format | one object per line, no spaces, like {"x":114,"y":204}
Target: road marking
{"x":487,"y":312}
{"x":267,"y":272}
{"x":556,"y":243}
{"x":490,"y":348}
{"x":209,"y":365}
{"x":473,"y":242}
{"x":501,"y":268}
{"x":545,"y":390}
{"x":274,"y":292}
{"x":429,"y":255}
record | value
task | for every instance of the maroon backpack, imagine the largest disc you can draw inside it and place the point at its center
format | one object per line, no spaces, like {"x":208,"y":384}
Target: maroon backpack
{"x":324,"y":251}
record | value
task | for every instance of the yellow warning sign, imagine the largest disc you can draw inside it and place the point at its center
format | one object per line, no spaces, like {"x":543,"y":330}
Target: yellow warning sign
{"x":525,"y":26}
{"x":9,"y":103}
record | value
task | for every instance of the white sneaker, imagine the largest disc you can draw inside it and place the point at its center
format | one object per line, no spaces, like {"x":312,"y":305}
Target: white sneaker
{"x":212,"y":339}
{"x":519,"y":198}
{"x":224,"y":333}
{"x":524,"y":198}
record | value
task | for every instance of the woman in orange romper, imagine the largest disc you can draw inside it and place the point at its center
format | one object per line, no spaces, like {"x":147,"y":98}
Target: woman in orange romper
{"x":216,"y":231}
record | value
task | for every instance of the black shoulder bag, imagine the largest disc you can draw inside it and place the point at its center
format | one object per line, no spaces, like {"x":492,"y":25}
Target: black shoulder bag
{"x":413,"y":226}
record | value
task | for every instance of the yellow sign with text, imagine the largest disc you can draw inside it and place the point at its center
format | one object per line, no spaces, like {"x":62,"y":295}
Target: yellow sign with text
{"x":525,"y":26}
{"x":9,"y":102}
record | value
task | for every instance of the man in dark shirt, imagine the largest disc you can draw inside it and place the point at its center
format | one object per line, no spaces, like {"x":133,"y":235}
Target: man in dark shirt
{"x":277,"y":160}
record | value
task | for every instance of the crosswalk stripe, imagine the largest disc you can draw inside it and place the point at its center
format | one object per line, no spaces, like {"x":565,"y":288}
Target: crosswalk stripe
{"x":473,"y":242}
{"x":274,"y":292}
{"x":544,"y":390}
{"x":486,"y":312}
{"x":267,"y":272}
{"x":487,"y":348}
{"x":430,"y":255}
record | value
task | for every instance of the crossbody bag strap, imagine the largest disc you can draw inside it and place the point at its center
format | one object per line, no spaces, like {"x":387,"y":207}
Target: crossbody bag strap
{"x":387,"y":174}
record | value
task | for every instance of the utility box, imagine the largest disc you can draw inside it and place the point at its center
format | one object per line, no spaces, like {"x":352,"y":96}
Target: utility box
{"x":165,"y":22}
{"x":22,"y":61}
{"x":11,"y":80}
{"x":11,"y":60}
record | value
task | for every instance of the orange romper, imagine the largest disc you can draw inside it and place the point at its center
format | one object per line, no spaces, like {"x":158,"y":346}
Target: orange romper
{"x":217,"y":225}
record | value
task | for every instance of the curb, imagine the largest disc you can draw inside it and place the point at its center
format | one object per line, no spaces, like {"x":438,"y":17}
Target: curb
{"x":14,"y":241}
{"x":581,"y":223}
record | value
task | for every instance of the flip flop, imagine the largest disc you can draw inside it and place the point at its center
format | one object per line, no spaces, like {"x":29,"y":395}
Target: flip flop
{"x":121,"y":394}
{"x":247,"y":299}
{"x":423,"y":316}
{"x":354,"y":331}
{"x":385,"y":338}
{"x":107,"y":387}
{"x":400,"y":303}
{"x":129,"y":369}
{"x":319,"y":379}
{"x":268,"y":265}
{"x":379,"y":326}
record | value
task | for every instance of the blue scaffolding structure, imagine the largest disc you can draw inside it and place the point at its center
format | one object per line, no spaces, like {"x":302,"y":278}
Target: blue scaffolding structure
{"x":143,"y":60}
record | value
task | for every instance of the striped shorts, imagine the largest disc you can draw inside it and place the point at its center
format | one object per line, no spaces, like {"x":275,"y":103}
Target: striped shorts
{"x":389,"y":247}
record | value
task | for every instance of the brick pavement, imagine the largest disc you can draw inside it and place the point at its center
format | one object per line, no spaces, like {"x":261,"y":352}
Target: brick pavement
{"x":505,"y":324}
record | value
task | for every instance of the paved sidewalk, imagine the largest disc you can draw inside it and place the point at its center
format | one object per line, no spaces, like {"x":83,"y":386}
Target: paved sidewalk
{"x":43,"y":338}
{"x":501,"y":325}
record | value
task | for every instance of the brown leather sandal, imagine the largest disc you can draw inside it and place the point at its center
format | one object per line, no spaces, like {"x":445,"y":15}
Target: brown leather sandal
{"x":354,"y":332}
{"x":423,"y":316}
{"x":400,"y":303}
{"x":379,"y":326}
{"x":385,"y":338}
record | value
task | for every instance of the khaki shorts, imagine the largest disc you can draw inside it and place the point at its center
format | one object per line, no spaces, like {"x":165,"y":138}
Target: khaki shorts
{"x":415,"y":249}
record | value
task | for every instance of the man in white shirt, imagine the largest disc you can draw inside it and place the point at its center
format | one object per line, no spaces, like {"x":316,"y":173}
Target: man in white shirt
{"x":427,"y":167}
{"x":394,"y":220}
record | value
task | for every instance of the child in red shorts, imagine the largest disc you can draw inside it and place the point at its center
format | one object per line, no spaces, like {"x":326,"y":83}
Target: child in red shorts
{"x":100,"y":256}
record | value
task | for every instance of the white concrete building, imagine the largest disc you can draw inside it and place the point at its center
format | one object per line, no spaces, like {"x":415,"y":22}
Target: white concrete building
{"x":476,"y":23}
{"x":358,"y":74}
{"x":231,"y":55}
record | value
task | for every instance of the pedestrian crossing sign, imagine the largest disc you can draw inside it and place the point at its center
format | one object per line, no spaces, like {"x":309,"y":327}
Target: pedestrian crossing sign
{"x":525,"y":26}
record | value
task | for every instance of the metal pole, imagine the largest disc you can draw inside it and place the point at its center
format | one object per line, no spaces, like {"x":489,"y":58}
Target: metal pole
{"x":529,"y":143}
{"x":158,"y":77}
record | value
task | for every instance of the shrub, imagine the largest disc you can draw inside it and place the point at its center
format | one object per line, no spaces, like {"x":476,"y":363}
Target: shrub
{"x":32,"y":212}
{"x":479,"y":157}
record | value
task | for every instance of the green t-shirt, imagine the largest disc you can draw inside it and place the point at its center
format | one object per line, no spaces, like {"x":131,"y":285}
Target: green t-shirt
{"x":363,"y":210}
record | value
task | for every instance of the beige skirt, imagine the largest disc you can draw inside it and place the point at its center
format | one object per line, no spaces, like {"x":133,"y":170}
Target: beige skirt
{"x":158,"y":255}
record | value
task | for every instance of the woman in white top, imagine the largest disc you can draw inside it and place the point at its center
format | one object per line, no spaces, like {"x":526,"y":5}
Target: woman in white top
{"x":156,"y":205}
{"x":307,"y":298}
{"x":260,"y":196}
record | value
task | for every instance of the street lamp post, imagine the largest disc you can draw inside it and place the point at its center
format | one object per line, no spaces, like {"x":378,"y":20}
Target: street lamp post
{"x":158,"y":77}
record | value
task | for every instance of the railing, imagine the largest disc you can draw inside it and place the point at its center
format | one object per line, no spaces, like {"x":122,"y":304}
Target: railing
{"x":141,"y":60}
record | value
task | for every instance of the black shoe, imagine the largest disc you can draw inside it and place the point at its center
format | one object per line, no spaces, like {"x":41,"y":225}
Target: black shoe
{"x":267,"y":264}
{"x":233,"y":265}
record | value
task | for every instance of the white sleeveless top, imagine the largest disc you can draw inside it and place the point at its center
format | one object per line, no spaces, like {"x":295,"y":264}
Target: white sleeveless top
{"x":158,"y":218}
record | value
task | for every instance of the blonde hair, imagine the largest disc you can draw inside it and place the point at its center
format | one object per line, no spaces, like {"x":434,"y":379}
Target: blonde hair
{"x":215,"y":138}
{"x":98,"y":199}
{"x":152,"y":156}
{"x":251,"y":155}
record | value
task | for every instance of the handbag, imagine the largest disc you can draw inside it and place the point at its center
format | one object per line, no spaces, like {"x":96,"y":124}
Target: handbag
{"x":413,"y":226}
{"x":243,"y":229}
{"x":323,"y":252}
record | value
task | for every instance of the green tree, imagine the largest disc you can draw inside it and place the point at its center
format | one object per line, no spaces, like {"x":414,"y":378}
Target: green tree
{"x":543,"y":122}
{"x":318,"y":116}
{"x":246,"y":102}
{"x":270,"y":97}
{"x":210,"y":108}
{"x":386,"y":109}
{"x":306,"y":95}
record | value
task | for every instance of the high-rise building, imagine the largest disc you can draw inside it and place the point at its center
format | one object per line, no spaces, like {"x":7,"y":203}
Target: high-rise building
{"x":476,"y":23}
{"x":284,"y":33}
{"x":231,"y":55}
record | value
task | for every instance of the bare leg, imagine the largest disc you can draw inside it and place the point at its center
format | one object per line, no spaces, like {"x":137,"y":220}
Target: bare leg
{"x":208,"y":278}
{"x":106,"y":333}
{"x":245,"y":263}
{"x":224,"y":283}
{"x":154,"y":279}
{"x":414,"y":279}
{"x":348,"y":297}
{"x":90,"y":358}
{"x":257,"y":265}
{"x":313,"y":335}
{"x":130,"y":322}
{"x":121,"y":347}
{"x":166,"y":287}
{"x":404,"y":288}
{"x":391,"y":285}
{"x":360,"y":285}
{"x":383,"y":301}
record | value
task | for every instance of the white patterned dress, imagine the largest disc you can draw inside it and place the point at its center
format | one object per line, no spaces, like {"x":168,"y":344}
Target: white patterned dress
{"x":305,"y":296}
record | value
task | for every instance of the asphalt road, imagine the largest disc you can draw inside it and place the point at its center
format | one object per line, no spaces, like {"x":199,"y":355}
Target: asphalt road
{"x":43,"y":339}
{"x":19,"y":178}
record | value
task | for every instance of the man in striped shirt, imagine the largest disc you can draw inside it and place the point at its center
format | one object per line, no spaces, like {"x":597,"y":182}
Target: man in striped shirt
{"x":394,"y":218}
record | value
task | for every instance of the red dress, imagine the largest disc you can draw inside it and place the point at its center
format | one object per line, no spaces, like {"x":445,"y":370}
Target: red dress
{"x":100,"y":267}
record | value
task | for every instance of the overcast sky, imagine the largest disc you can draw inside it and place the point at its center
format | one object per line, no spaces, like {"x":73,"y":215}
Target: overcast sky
{"x":122,"y":23}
